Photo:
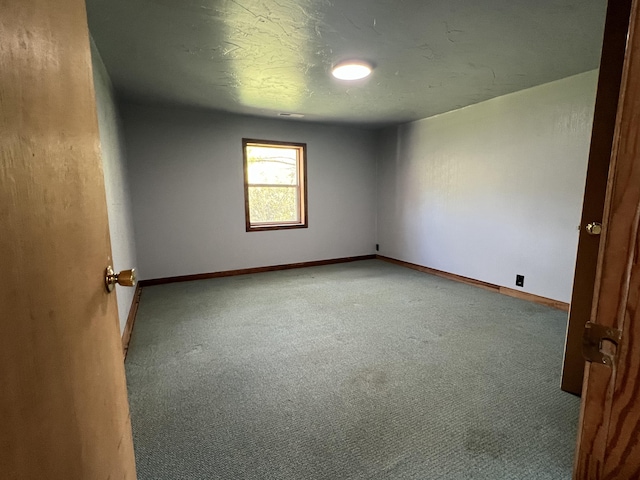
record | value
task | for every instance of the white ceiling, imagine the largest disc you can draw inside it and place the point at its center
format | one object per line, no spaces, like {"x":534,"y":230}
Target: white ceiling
{"x":266,"y":57}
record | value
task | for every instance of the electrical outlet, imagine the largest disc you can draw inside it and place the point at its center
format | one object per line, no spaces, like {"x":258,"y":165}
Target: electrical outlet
{"x":519,"y":280}
{"x":377,"y":247}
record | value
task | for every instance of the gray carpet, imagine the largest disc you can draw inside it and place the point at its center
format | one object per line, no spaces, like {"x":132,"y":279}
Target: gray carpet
{"x":363,"y":370}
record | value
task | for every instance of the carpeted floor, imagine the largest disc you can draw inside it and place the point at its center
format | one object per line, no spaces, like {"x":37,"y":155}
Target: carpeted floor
{"x":363,"y":370}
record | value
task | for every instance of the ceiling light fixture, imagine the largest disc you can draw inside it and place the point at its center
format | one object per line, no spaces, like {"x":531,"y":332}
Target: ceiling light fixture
{"x":352,"y":70}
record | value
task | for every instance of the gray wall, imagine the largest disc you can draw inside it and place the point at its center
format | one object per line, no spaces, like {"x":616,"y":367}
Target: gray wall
{"x":186,"y":175}
{"x":487,"y":192}
{"x":116,"y":183}
{"x":492,"y":190}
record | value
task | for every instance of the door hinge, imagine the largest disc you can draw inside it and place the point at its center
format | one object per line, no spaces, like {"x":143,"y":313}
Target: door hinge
{"x":592,"y":343}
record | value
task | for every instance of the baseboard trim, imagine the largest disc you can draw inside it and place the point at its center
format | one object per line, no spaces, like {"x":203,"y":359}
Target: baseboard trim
{"x":478,"y":283}
{"x":246,"y":271}
{"x":549,"y":302}
{"x":131,"y":319}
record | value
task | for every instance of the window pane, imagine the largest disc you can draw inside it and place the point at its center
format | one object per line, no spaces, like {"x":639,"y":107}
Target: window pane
{"x":273,"y":204}
{"x":272,"y":166}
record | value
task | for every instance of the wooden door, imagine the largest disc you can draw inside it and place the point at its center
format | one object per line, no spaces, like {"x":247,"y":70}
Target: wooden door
{"x":612,"y":59}
{"x":609,"y":430}
{"x":63,"y":402}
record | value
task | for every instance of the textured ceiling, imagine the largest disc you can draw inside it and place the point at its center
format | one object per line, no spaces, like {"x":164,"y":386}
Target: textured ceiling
{"x":266,"y":57}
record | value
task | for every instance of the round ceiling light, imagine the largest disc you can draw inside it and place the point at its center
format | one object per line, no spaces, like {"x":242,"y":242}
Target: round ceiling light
{"x":352,"y":70}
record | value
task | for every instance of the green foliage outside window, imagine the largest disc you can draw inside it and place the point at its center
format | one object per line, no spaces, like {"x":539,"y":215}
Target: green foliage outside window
{"x":272,"y":204}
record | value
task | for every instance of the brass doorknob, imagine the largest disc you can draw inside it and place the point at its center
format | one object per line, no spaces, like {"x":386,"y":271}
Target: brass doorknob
{"x":594,"y":228}
{"x":126,"y":278}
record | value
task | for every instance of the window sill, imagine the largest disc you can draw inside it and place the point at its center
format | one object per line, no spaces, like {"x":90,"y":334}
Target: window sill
{"x":262,"y":228}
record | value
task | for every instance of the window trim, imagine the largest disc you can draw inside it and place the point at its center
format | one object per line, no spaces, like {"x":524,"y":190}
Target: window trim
{"x":302,"y":180}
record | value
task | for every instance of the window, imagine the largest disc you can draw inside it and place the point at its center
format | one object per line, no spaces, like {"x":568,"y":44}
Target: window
{"x":275,"y":187}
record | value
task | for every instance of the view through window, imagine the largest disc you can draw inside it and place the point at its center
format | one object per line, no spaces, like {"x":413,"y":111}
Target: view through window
{"x":275,"y":187}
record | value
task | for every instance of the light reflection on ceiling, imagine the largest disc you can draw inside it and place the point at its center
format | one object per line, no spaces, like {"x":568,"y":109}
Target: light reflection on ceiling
{"x":270,"y":75}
